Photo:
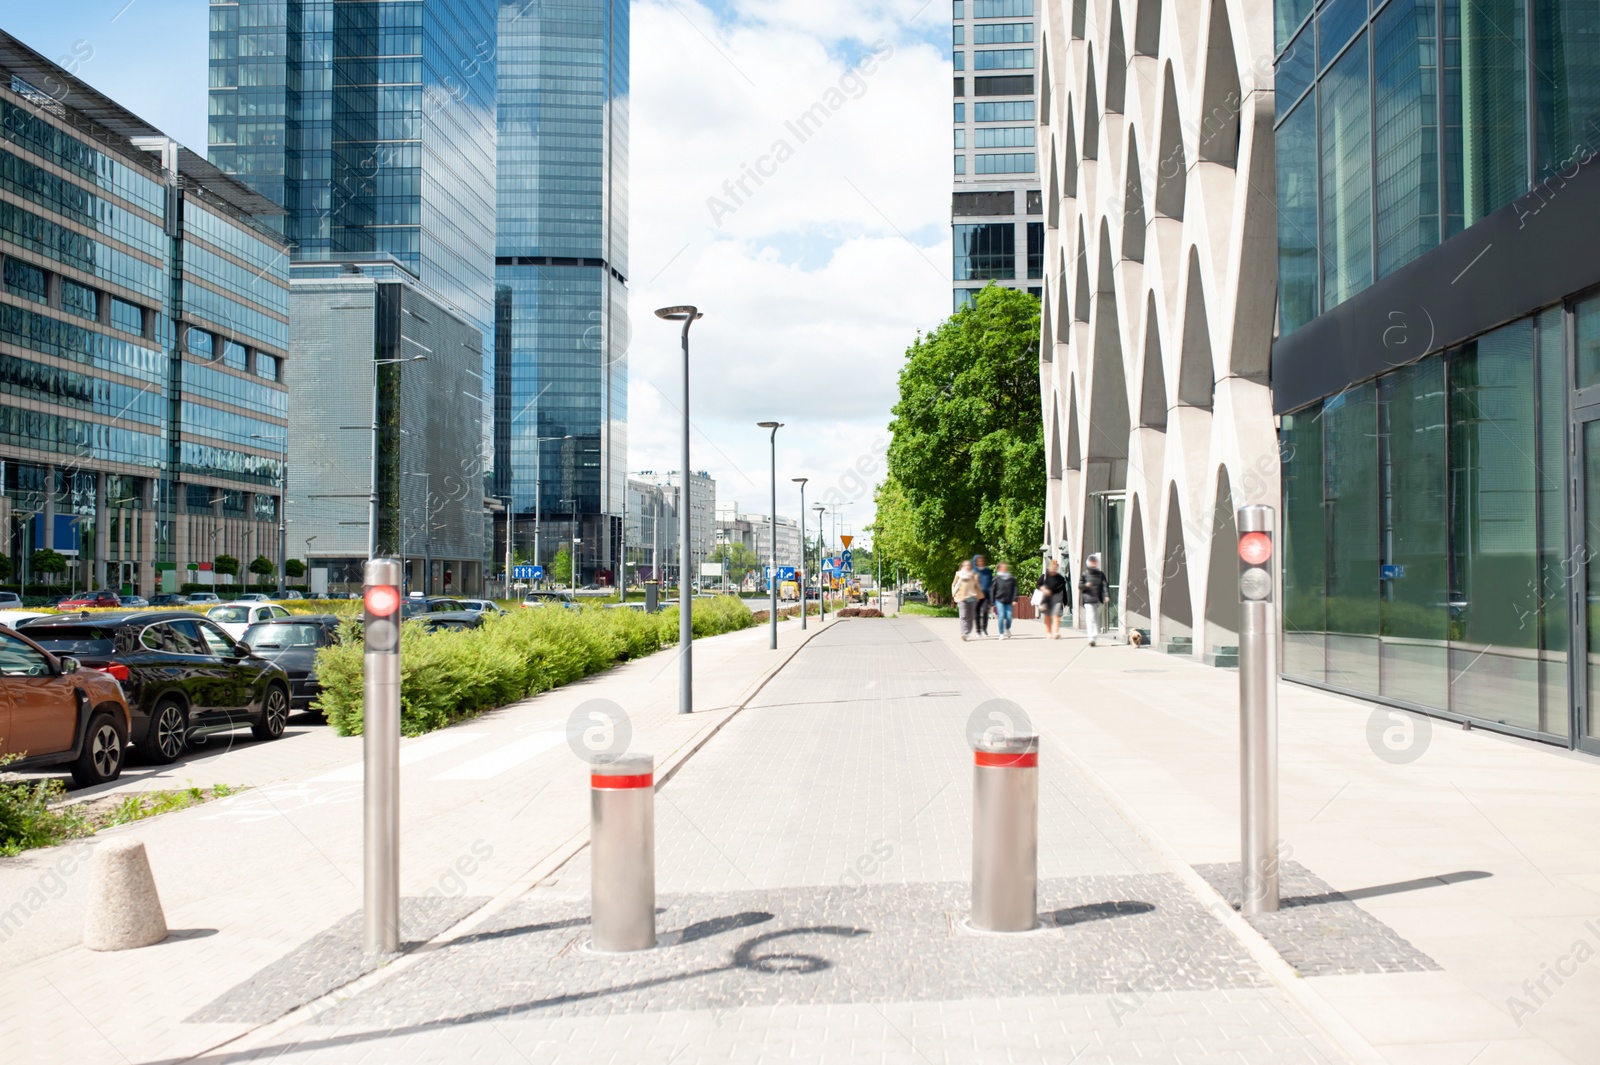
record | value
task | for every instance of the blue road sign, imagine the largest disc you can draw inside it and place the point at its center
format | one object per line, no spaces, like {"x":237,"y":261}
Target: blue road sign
{"x":1390,"y":573}
{"x":849,"y":566}
{"x":785,"y":573}
{"x":527,"y":573}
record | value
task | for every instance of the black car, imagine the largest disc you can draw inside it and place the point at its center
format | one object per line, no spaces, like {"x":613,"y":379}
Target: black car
{"x":168,"y":599}
{"x":416,"y":606}
{"x":183,"y":676}
{"x":292,"y":644}
{"x":443,"y":620}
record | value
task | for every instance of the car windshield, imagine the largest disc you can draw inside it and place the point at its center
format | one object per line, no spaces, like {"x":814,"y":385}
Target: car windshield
{"x":75,"y":639}
{"x":229,"y":615}
{"x":281,"y":637}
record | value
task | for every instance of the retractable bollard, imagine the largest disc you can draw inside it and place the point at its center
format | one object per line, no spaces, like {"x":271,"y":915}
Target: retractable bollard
{"x":381,"y":757}
{"x":622,"y":851}
{"x":1258,"y":710}
{"x":1005,"y":833}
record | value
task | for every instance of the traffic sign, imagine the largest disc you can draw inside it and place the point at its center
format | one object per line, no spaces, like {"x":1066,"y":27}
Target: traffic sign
{"x":846,"y":540}
{"x":527,"y":573}
{"x":849,"y":566}
{"x":785,"y":573}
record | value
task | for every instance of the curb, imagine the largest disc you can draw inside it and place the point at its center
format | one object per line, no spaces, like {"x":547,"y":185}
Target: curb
{"x":547,"y":866}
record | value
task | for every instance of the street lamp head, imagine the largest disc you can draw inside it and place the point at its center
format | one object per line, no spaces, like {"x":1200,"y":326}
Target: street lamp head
{"x":684,"y":313}
{"x":799,"y":480}
{"x":769,"y":425}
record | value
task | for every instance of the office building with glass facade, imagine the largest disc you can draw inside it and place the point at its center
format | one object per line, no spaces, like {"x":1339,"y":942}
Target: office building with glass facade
{"x":143,"y":334}
{"x":561,"y":271}
{"x":1437,"y":370}
{"x":996,"y":211}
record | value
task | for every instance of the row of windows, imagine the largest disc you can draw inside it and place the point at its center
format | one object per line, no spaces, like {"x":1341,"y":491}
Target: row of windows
{"x":207,"y":461}
{"x":995,"y":33}
{"x":68,"y":388}
{"x":231,"y":353}
{"x":29,"y":282}
{"x":1001,"y":85}
{"x":64,"y":197}
{"x":197,"y":418}
{"x":235,"y":316}
{"x":50,"y":336}
{"x":998,"y":111}
{"x":206,"y":265}
{"x":1388,"y":151}
{"x":995,"y":8}
{"x":73,"y":436}
{"x":263,"y":254}
{"x":1005,"y":163}
{"x":23,"y":127}
{"x":216,"y":384}
{"x":68,"y":246}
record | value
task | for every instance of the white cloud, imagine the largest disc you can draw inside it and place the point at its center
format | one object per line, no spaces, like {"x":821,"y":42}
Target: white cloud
{"x":812,"y":278}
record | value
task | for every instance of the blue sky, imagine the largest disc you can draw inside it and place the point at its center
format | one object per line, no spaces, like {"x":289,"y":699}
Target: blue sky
{"x":812,"y":288}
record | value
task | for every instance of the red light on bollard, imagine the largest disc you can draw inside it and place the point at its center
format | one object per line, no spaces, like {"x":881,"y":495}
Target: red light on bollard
{"x":381,"y":600}
{"x":1255,"y":548}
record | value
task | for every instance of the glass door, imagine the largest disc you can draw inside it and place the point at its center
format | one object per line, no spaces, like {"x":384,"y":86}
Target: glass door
{"x":1585,"y":571}
{"x":1109,"y":508}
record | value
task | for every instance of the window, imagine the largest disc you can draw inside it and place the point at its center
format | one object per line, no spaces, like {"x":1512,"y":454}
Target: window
{"x":173,"y":638}
{"x":960,"y":8}
{"x":958,"y":35}
{"x":1005,"y":137}
{"x":1337,"y":23}
{"x":216,"y":642}
{"x":1406,"y":132}
{"x":26,"y":280}
{"x":79,"y":299}
{"x":1486,"y":121}
{"x":1587,"y":330}
{"x":1351,"y":477}
{"x":983,"y":203}
{"x":960,"y":59}
{"x":17,"y":659}
{"x":234,"y":355}
{"x":1004,"y":111}
{"x":1015,"y":85}
{"x":1305,"y":554}
{"x":1017,"y":163}
{"x":985,"y":251}
{"x":1035,"y":250}
{"x":1346,"y":177}
{"x":1296,"y":145}
{"x":1294,"y":72}
{"x":961,"y":164}
{"x":961,"y":138}
{"x":1003,"y":33}
{"x":1567,"y":111}
{"x":961,"y":112}
{"x":1002,"y":8}
{"x":1003,"y":59}
{"x":267,"y":366}
{"x":202,"y":343}
{"x":128,"y":316}
{"x":961,"y":86}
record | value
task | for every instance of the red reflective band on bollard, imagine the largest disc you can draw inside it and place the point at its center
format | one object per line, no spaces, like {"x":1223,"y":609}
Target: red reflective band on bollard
{"x":1005,"y":760}
{"x":642,"y":780}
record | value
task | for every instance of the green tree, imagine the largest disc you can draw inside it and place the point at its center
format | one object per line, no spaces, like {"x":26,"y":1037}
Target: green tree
{"x":262,"y":567}
{"x":561,"y":567}
{"x":225,"y":566}
{"x":738,"y":560}
{"x":966,"y":462}
{"x":294,"y":568}
{"x":49,"y":562}
{"x":5,"y":567}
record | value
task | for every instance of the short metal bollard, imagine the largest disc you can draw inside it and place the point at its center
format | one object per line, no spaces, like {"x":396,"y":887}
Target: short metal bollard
{"x":1005,"y":833}
{"x":622,"y":850}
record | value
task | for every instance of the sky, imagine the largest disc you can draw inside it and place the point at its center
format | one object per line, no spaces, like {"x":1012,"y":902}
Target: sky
{"x":816,"y":251}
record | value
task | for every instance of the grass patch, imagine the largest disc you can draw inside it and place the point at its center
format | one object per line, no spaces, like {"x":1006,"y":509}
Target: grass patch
{"x":29,"y":818}
{"x":146,"y":804}
{"x":927,"y":611}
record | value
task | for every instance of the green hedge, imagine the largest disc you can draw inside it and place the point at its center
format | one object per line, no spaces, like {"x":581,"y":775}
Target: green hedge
{"x":446,"y":676}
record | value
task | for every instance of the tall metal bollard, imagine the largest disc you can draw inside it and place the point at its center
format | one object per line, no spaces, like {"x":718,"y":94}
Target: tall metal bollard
{"x":1258,"y":710}
{"x":1005,"y":833}
{"x":380,"y":743}
{"x":622,"y":851}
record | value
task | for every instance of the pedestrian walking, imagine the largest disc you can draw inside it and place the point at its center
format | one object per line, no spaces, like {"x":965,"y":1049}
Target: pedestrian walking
{"x":1003,"y":590}
{"x":965,"y":592}
{"x":1051,"y":598}
{"x":986,"y":592}
{"x":1095,"y":591}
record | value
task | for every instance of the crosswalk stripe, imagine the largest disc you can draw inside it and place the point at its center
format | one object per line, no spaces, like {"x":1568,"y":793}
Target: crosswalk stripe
{"x":507,"y":757}
{"x":410,"y":753}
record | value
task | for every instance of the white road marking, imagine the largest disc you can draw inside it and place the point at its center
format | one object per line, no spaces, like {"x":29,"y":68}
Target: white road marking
{"x":508,"y":757}
{"x":410,"y":753}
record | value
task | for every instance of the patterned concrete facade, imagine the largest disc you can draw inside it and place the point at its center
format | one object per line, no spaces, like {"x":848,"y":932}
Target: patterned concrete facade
{"x":1159,"y":308}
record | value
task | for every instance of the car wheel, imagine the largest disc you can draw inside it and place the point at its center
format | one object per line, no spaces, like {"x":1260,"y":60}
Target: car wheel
{"x":274,"y":714}
{"x":169,"y":728}
{"x":100,"y":761}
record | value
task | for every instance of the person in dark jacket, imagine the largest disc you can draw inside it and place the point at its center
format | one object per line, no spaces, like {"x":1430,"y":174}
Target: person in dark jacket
{"x":1003,"y":590}
{"x":1053,"y":599}
{"x":1096,"y":592}
{"x":986,"y":597}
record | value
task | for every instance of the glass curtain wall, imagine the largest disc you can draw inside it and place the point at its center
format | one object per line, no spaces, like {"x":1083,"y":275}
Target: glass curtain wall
{"x":1425,"y":533}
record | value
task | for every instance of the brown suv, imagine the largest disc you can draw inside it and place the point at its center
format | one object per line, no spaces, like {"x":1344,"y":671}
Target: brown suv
{"x":55,"y":712}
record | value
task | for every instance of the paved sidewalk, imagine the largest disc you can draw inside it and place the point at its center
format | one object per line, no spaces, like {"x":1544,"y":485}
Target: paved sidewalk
{"x":814,"y":862}
{"x":488,"y":807}
{"x":1482,"y":852}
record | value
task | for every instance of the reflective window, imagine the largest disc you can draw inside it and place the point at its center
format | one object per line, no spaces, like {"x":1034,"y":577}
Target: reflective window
{"x":1005,"y":137}
{"x":1003,"y":59}
{"x":234,"y":355}
{"x":79,"y":299}
{"x":1036,"y":250}
{"x":1567,"y":112}
{"x":1350,"y":442}
{"x":961,"y":138}
{"x":72,"y":200}
{"x":125,"y":315}
{"x":1337,"y":23}
{"x":1305,"y":551}
{"x":26,"y":280}
{"x":961,"y":112}
{"x":202,"y":343}
{"x":958,"y":35}
{"x":1406,"y":132}
{"x":1346,"y":177}
{"x":961,"y":164}
{"x":68,"y":246}
{"x":27,"y":130}
{"x":83,"y":439}
{"x":1002,"y":8}
{"x":1003,"y":33}
{"x":1486,"y":98}
{"x":1587,"y":330}
{"x":267,"y":366}
{"x":960,"y":60}
{"x":1010,"y":163}
{"x":1294,"y":72}
{"x":985,"y":252}
{"x":51,"y":336}
{"x":1003,"y":111}
{"x":1296,"y":146}
{"x":1288,"y":15}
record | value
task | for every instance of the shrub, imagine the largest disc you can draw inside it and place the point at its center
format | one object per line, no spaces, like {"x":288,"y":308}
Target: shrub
{"x":26,"y":819}
{"x":445,"y":676}
{"x":861,"y":612}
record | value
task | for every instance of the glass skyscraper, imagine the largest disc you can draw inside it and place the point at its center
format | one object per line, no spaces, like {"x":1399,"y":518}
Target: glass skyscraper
{"x":1437,"y":371}
{"x":372,"y":123}
{"x":561,"y":269}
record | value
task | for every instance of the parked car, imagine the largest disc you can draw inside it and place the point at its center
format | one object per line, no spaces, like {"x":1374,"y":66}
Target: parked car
{"x":184,"y":678}
{"x":546,"y":598}
{"x":237,"y":616}
{"x":135,"y":601}
{"x":482,"y":606}
{"x":169,"y":599}
{"x":418,"y":605}
{"x":441,"y":620}
{"x":59,"y":713}
{"x":292,"y":643}
{"x":10,"y":601}
{"x":203,"y":597}
{"x":290,"y":595}
{"x":102,"y":598}
{"x":253,"y":597}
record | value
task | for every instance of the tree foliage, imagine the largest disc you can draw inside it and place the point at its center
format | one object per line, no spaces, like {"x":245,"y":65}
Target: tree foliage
{"x":561,"y":567}
{"x":262,"y":566}
{"x":226,"y":565}
{"x":294,"y":568}
{"x":966,"y":464}
{"x":48,"y":561}
{"x":738,"y":559}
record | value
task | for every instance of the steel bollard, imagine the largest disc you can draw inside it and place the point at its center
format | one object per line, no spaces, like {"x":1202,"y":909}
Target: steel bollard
{"x":380,"y":747}
{"x":1005,"y":833}
{"x":622,"y":851}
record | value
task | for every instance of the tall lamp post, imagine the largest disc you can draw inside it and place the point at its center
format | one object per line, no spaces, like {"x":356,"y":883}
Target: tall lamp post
{"x":804,"y":606}
{"x":822,"y":593}
{"x":283,"y":505}
{"x":372,"y":494}
{"x":772,"y":544}
{"x":687,"y":315}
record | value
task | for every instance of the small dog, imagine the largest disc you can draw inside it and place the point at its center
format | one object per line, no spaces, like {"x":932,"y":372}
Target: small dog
{"x":1136,"y":638}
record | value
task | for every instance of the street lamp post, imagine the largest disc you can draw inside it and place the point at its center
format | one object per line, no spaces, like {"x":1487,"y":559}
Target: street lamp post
{"x":772,"y":546}
{"x":822,"y":593}
{"x":804,"y":606}
{"x":372,"y":494}
{"x":687,"y":315}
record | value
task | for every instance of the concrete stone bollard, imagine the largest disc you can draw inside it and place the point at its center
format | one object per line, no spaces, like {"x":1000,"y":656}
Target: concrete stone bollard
{"x":124,"y":909}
